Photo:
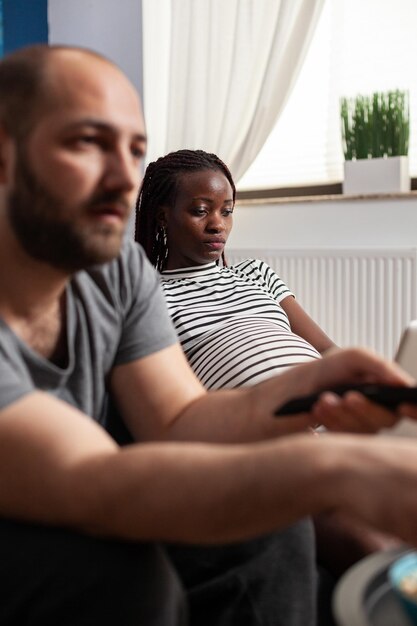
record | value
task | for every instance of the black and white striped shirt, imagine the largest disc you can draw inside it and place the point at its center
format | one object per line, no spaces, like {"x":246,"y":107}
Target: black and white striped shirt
{"x":231,"y":326}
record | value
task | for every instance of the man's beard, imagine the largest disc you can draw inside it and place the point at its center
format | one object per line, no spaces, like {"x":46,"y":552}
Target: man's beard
{"x":47,"y":229}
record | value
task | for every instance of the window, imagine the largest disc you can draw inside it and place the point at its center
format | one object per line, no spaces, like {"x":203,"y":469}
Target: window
{"x":1,"y":28}
{"x":359,"y":46}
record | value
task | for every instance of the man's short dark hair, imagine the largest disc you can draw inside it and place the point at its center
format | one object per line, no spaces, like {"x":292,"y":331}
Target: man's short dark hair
{"x":26,"y":90}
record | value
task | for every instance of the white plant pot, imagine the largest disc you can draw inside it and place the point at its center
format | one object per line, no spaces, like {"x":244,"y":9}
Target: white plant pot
{"x":370,"y":176}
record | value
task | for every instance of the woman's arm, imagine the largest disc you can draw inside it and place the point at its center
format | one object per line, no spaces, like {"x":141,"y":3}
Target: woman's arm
{"x":304,"y":326}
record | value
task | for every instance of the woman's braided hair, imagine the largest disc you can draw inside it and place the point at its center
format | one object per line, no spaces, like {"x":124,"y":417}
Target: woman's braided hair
{"x":159,"y":187}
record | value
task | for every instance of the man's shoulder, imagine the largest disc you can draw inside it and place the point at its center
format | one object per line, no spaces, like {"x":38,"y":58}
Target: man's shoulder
{"x":119,"y":281}
{"x":131,"y":261}
{"x":130,"y":258}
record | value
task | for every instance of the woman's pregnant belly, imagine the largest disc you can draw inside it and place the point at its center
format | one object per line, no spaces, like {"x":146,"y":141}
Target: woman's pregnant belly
{"x":245,"y":351}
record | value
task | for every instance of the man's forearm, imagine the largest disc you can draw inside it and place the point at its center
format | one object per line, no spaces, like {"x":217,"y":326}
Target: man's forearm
{"x":203,"y":493}
{"x":244,"y":415}
{"x":59,"y":467}
{"x":212,"y":494}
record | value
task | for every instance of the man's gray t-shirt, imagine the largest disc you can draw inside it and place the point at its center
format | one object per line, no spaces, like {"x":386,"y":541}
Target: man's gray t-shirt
{"x":115,"y":313}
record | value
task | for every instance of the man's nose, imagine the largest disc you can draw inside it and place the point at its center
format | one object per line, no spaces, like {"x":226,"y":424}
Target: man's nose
{"x":123,"y":171}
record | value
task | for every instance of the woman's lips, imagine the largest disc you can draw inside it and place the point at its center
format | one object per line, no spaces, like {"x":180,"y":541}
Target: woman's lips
{"x":215,"y":244}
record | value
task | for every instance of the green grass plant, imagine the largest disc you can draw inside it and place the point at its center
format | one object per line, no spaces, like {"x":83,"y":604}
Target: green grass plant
{"x":375,"y":126}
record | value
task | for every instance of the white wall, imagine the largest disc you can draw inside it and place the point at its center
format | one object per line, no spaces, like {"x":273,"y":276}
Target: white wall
{"x":111,"y":27}
{"x":377,"y":223}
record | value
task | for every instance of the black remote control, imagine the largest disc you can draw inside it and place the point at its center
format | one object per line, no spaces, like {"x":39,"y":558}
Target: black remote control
{"x":388,"y":395}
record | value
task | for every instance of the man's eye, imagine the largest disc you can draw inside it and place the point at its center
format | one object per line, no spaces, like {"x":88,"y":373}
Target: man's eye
{"x":228,"y":212}
{"x":84,"y":141}
{"x":87,"y":139}
{"x":137,"y":152}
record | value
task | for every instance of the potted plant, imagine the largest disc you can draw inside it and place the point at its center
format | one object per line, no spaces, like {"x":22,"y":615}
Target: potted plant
{"x":375,"y":136}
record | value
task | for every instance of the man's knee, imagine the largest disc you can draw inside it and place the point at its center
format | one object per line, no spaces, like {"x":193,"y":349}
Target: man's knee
{"x":52,"y":576}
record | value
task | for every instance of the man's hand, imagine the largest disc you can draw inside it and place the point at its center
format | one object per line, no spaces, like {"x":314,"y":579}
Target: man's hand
{"x":342,"y":541}
{"x":353,"y":412}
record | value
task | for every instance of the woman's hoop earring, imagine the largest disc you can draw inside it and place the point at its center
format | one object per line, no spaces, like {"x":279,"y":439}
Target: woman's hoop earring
{"x":161,"y":247}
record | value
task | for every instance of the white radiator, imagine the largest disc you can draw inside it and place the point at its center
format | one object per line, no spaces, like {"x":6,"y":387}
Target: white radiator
{"x":358,"y":297}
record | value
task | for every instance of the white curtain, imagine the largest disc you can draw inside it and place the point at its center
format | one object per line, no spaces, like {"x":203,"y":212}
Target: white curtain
{"x":346,"y":57}
{"x":217,"y":73}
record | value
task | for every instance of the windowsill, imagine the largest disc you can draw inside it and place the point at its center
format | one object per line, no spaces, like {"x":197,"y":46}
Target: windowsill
{"x":336,"y":197}
{"x":329,"y":192}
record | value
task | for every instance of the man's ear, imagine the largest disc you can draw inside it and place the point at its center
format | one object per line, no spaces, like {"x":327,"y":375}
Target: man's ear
{"x":6,"y":151}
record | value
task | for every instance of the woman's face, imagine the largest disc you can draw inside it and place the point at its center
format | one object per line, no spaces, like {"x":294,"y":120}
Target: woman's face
{"x":199,"y":223}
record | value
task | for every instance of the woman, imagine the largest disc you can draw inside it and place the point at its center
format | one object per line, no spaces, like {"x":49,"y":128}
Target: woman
{"x":237,"y":325}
